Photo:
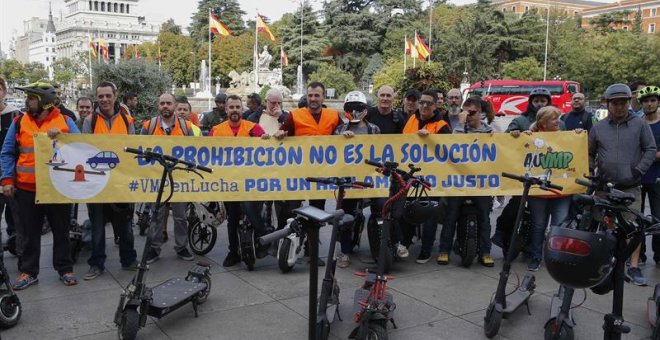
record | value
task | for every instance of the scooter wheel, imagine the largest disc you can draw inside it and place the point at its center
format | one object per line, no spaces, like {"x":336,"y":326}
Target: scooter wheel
{"x":377,"y":331}
{"x":553,"y":331}
{"x":322,"y":330}
{"x":283,"y":256}
{"x":11,"y":244}
{"x":130,"y":324}
{"x":10,"y":310}
{"x":203,"y":295}
{"x":492,"y":321}
{"x":201,"y":238}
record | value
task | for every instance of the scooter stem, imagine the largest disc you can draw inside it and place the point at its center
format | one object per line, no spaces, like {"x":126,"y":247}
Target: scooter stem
{"x":312,"y":231}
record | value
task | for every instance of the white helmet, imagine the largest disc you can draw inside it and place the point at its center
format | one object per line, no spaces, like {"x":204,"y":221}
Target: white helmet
{"x":355,"y":104}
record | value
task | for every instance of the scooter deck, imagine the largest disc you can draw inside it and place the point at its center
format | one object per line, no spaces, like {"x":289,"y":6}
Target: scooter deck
{"x":516,"y":299}
{"x":173,"y":293}
{"x":362,"y":294}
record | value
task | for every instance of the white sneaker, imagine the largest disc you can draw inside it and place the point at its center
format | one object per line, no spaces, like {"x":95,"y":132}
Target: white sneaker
{"x":401,"y":250}
{"x":343,"y":261}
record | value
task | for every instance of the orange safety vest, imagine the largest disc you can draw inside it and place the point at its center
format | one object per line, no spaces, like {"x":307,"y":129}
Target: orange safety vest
{"x":158,"y":127}
{"x":304,"y":123}
{"x":25,"y":141}
{"x":224,"y":130}
{"x":116,"y":128}
{"x":412,"y":126}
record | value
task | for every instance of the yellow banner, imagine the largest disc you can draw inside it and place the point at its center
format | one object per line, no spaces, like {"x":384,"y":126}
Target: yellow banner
{"x":89,"y":168}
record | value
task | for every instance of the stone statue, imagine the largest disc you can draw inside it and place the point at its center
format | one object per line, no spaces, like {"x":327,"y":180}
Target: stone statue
{"x":264,"y":59}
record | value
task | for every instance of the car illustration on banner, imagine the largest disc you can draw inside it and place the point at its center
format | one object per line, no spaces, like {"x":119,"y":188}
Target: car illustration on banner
{"x":105,"y":159}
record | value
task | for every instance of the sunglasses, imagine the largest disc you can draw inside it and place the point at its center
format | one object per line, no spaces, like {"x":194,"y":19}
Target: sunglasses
{"x":426,"y":103}
{"x":472,"y":112}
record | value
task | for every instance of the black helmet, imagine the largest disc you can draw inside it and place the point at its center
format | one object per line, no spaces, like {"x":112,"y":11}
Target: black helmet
{"x":615,"y":91}
{"x":540,"y":92}
{"x":579,"y":259}
{"x":302,"y":102}
{"x":45,"y":92}
{"x":420,"y":211}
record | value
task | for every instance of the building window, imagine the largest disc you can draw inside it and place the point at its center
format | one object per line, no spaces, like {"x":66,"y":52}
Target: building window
{"x":46,"y":49}
{"x":651,"y":28}
{"x":526,"y":9}
{"x":654,"y":12}
{"x":503,"y":9}
{"x":46,"y":58}
{"x":625,"y":28}
{"x":96,"y":5}
{"x":53,"y":59}
{"x":90,"y":5}
{"x":53,"y":39}
{"x":128,"y":8}
{"x":121,"y":8}
{"x":513,"y":9}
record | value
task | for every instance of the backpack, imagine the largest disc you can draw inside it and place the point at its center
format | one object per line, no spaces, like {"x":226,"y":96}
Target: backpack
{"x":153,"y":123}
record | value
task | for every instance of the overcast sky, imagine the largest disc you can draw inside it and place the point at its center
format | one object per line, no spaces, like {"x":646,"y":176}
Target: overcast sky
{"x":14,"y":12}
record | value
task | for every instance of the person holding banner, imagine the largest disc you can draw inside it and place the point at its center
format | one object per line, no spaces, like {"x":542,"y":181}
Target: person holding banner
{"x":109,"y":118}
{"x":184,"y":110}
{"x":18,"y":180}
{"x":388,"y":120}
{"x":167,"y":124}
{"x":426,"y":121}
{"x":468,"y":121}
{"x":312,"y":120}
{"x":355,"y":105}
{"x":236,"y":126}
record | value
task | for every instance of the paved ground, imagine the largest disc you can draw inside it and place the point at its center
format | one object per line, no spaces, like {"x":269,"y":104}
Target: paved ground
{"x":433,"y":302}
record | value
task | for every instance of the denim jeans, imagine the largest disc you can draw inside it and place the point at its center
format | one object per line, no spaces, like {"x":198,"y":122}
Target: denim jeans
{"x":98,"y":212}
{"x":454,"y":205}
{"x":543,"y":210}
{"x":653,"y":191}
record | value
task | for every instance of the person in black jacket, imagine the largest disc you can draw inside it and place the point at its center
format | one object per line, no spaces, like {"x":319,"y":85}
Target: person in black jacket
{"x":9,"y":112}
{"x":58,"y":102}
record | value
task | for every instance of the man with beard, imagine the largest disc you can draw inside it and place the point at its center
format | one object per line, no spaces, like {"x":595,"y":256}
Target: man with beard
{"x":578,"y":118}
{"x":215,"y":117}
{"x":236,"y":126}
{"x":18,"y":180}
{"x":388,"y":120}
{"x":167,"y":124}
{"x":313,"y":120}
{"x":621,"y":150}
{"x":109,"y":118}
{"x":60,"y":105}
{"x":253,"y":105}
{"x":649,"y":98}
{"x":454,"y":101}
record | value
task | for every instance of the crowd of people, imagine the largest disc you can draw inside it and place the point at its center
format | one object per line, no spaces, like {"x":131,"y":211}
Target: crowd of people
{"x":622,"y":150}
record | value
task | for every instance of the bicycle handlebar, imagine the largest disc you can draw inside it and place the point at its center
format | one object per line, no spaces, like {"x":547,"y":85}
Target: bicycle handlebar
{"x":340,"y":181}
{"x":274,"y":236}
{"x":150,"y":154}
{"x":544,"y":183}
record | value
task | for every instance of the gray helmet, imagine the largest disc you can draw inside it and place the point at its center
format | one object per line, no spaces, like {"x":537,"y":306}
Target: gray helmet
{"x":615,"y":91}
{"x":540,"y":92}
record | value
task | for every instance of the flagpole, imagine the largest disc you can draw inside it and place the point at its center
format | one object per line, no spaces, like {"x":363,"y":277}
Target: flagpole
{"x":430,"y":25}
{"x":210,"y":68}
{"x":98,"y":46}
{"x":405,"y":54}
{"x":256,"y":53}
{"x":545,"y":58}
{"x":415,"y":47}
{"x":89,"y":59}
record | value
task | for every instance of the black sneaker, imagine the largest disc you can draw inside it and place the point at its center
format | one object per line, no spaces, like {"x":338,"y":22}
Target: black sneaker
{"x":423,"y":257}
{"x":131,"y":267}
{"x":231,"y":260}
{"x":152,"y":256}
{"x":634,"y":275}
{"x":534,"y":265}
{"x":185,"y":254}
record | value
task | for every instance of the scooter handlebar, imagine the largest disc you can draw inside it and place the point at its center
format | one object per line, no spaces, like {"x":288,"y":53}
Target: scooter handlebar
{"x":274,"y":236}
{"x":151,"y":154}
{"x":512,"y":176}
{"x":583,"y":182}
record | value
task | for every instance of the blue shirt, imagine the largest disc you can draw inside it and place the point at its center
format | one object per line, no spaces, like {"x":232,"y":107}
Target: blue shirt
{"x":654,"y":171}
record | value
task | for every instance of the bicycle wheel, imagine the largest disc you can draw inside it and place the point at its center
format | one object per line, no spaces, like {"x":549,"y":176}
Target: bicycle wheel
{"x":201,"y":238}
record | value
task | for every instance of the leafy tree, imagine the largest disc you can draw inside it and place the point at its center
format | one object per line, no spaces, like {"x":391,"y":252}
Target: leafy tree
{"x":314,"y":42}
{"x":527,"y":68}
{"x":177,"y":57}
{"x":140,"y":77}
{"x":67,"y":69}
{"x":228,"y":12}
{"x":35,"y":71}
{"x":390,"y":74}
{"x":171,"y":27}
{"x":13,"y":71}
{"x":333,"y":77}
{"x":637,"y":24}
{"x":609,"y":21}
{"x":375,"y":64}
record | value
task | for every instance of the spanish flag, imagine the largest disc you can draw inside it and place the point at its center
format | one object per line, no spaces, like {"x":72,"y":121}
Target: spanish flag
{"x":92,"y":46}
{"x":285,"y":59}
{"x":408,"y":48}
{"x":423,"y":50}
{"x":104,"y":49}
{"x":261,"y":27}
{"x":217,"y":27}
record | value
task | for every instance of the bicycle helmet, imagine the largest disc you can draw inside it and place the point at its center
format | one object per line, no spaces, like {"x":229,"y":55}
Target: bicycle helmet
{"x":45,"y":92}
{"x":579,"y":259}
{"x":615,"y":91}
{"x":648,"y":91}
{"x":420,"y":211}
{"x":355,"y":105}
{"x":540,"y":92}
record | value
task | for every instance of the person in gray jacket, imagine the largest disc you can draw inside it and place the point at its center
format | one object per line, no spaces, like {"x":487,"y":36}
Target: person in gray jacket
{"x":621,"y":150}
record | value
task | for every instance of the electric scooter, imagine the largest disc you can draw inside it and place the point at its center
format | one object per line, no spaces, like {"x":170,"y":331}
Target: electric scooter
{"x":204,"y":218}
{"x":290,"y":248}
{"x":10,"y":305}
{"x":329,"y":299}
{"x":467,"y":233}
{"x":503,"y":305}
{"x":138,"y":301}
{"x":309,"y":220}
